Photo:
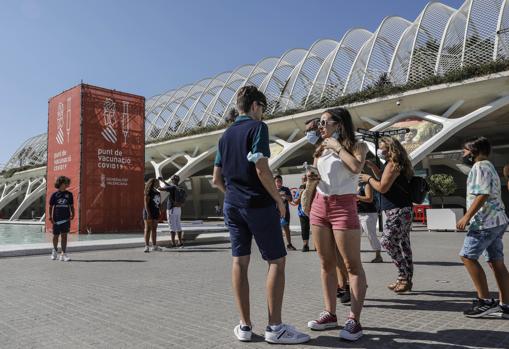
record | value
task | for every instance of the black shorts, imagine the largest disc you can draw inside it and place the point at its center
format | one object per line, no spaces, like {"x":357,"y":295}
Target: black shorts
{"x":153,"y":215}
{"x":63,"y":228}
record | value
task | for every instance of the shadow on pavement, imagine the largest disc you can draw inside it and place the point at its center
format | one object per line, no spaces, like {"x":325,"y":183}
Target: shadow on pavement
{"x":404,"y":303}
{"x":108,"y":261}
{"x":467,"y":295}
{"x":440,"y":264}
{"x":191,"y":250}
{"x":391,"y":338}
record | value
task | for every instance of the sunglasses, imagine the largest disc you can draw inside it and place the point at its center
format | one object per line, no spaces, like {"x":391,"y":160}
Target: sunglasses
{"x":263,"y":105}
{"x":324,"y":123}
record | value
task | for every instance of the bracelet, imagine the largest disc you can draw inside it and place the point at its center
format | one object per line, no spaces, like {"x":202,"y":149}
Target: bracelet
{"x":370,"y":178}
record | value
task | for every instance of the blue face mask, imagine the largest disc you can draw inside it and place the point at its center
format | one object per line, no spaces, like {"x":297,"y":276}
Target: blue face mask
{"x":312,"y":137}
{"x":335,"y":135}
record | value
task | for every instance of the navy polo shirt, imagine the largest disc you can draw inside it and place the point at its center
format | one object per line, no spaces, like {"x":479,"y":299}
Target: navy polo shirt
{"x":241,"y":145}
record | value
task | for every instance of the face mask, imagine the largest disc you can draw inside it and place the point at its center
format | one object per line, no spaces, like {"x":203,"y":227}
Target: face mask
{"x":468,"y":160}
{"x":381,"y":154}
{"x":336,"y":135}
{"x":312,"y":137}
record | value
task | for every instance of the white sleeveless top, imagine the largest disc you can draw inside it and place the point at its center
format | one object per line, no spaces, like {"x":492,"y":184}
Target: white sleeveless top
{"x":337,"y":179}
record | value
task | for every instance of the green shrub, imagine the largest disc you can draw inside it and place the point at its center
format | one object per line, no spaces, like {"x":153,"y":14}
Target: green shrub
{"x":441,"y":185}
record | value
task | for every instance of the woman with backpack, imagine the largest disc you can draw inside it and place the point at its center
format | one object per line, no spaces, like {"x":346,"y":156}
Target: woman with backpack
{"x":393,"y":183}
{"x":177,"y":198}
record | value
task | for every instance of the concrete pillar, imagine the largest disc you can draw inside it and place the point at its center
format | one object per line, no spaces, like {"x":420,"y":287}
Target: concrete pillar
{"x":196,"y":187}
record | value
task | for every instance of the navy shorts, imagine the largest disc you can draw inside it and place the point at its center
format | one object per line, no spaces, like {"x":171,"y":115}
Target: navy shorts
{"x":61,"y":228}
{"x":260,"y":223}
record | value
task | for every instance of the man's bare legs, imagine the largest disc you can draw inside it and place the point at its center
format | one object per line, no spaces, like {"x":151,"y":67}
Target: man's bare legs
{"x":240,"y":285}
{"x":502,"y":277}
{"x":478,"y":277}
{"x":275,"y":289}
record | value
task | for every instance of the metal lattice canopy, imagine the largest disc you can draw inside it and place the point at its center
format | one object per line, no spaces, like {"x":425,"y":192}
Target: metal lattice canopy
{"x":32,"y":152}
{"x":439,"y":40}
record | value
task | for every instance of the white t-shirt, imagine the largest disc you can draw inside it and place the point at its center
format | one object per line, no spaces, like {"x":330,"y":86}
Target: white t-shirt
{"x":337,"y":179}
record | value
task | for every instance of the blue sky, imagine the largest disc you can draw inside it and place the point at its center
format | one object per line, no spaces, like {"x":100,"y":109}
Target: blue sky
{"x":148,"y":47}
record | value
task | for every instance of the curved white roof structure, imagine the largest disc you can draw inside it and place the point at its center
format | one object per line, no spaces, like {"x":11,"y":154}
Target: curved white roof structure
{"x":32,"y":152}
{"x":439,"y":40}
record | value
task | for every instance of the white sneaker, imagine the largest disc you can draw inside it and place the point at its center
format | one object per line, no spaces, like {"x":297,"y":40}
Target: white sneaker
{"x":156,"y":248}
{"x":54,"y":255}
{"x":147,"y":249}
{"x":243,"y":333}
{"x":65,"y":258}
{"x":286,"y":335}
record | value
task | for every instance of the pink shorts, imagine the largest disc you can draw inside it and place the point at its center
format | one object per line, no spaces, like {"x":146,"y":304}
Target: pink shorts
{"x":336,"y":211}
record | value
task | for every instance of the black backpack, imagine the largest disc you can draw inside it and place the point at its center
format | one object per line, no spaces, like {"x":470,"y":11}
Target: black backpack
{"x":419,"y":188}
{"x":180,"y":196}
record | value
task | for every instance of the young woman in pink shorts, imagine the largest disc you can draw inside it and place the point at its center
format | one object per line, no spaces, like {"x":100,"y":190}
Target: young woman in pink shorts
{"x":334,"y":220}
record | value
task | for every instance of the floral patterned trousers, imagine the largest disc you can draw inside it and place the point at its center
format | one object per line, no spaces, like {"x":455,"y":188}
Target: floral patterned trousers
{"x":396,"y":240}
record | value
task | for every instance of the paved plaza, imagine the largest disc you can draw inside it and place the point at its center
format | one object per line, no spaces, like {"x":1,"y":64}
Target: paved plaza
{"x":183,"y":299}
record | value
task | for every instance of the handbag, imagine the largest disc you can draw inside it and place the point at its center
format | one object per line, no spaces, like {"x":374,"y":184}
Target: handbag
{"x":307,"y":196}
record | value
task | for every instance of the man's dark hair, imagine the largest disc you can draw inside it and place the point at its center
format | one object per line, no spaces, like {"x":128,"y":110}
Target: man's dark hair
{"x":278,"y":177}
{"x":62,"y":180}
{"x":247,"y":95}
{"x":478,"y":146}
{"x":312,"y":124}
{"x":175,"y":178}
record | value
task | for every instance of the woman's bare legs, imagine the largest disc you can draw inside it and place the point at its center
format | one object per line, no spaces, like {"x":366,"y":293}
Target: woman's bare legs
{"x":349,"y":244}
{"x":323,"y":239}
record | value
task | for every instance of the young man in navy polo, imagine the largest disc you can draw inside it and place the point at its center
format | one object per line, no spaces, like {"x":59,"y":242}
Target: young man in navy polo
{"x":253,"y":208}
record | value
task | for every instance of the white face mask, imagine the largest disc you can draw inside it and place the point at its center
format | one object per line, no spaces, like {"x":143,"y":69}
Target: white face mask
{"x":381,"y":154}
{"x":312,"y":137}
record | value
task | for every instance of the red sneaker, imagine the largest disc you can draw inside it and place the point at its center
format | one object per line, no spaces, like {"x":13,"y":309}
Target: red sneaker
{"x":325,"y":321}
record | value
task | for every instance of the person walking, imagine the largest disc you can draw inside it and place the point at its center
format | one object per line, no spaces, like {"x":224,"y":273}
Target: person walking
{"x":176,"y":199}
{"x":303,"y":218}
{"x":487,"y":222}
{"x":253,"y":208}
{"x":61,"y":213}
{"x":394,"y":187}
{"x":368,"y":215}
{"x":152,"y":206}
{"x":334,"y":220}
{"x":286,"y":195}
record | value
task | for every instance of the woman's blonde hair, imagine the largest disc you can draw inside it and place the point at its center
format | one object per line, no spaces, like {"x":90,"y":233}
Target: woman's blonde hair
{"x":149,"y":185}
{"x":397,"y":154}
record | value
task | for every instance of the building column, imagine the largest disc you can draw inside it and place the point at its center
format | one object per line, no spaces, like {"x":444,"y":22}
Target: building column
{"x":196,"y":188}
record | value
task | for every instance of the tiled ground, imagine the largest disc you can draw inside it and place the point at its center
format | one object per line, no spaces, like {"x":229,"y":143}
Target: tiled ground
{"x":183,"y":299}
